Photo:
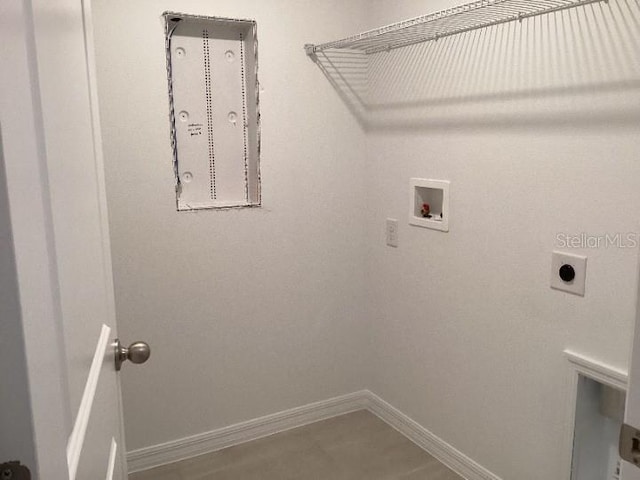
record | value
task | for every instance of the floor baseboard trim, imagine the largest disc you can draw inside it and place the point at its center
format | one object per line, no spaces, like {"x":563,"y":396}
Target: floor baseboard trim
{"x":181,"y":449}
{"x":435,"y":446}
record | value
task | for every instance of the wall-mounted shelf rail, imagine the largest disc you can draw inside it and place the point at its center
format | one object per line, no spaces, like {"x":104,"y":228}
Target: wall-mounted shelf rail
{"x":447,"y":22}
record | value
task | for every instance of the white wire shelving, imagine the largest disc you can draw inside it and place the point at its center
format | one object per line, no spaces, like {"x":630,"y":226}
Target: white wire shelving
{"x":452,"y":21}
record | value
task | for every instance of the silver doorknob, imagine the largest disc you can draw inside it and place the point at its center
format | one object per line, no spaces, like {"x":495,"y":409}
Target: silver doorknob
{"x":137,"y":352}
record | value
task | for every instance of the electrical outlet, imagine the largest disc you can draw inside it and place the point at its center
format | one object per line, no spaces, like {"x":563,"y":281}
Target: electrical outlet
{"x":568,"y":272}
{"x":392,"y":232}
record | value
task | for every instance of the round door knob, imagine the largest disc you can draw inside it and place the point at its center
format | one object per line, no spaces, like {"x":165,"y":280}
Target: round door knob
{"x":137,"y":352}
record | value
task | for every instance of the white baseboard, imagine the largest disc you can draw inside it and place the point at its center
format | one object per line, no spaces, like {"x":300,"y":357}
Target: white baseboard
{"x":184,"y":448}
{"x":435,"y":446}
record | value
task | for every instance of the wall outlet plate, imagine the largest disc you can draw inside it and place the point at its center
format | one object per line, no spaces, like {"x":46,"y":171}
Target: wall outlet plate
{"x":392,"y":232}
{"x":579,"y":265}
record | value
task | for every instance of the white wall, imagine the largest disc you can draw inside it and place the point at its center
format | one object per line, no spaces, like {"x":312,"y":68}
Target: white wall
{"x":34,"y":384}
{"x":16,"y":432}
{"x":248,"y":312}
{"x":468,"y":334}
{"x":251,"y":312}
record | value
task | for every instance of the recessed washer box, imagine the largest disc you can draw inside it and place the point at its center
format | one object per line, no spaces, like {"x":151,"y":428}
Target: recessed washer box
{"x":215,"y":119}
{"x":429,"y":204}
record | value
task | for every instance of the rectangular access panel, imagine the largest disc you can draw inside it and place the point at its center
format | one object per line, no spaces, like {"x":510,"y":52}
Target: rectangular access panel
{"x":214,"y":108}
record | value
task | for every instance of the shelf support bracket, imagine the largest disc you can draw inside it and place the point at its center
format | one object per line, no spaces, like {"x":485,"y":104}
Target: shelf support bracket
{"x":311,"y":51}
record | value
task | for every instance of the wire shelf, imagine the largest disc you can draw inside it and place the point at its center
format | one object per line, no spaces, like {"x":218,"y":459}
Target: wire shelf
{"x":452,"y":21}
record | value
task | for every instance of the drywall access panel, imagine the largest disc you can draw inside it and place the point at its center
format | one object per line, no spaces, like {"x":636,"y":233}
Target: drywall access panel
{"x":214,"y":105}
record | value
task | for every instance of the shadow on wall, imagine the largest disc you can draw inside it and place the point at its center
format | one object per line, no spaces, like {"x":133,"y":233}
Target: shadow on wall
{"x":576,"y":67}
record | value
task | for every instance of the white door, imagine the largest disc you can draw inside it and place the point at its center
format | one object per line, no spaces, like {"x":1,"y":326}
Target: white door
{"x":55,"y":187}
{"x":632,"y":413}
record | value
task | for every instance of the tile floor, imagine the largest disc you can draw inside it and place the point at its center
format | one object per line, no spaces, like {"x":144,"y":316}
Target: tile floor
{"x":356,"y":446}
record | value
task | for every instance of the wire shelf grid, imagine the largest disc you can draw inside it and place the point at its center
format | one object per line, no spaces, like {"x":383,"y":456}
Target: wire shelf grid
{"x":452,"y":21}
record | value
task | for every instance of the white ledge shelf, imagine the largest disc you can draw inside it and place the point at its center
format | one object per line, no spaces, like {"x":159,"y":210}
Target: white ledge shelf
{"x":452,"y":21}
{"x":598,"y":370}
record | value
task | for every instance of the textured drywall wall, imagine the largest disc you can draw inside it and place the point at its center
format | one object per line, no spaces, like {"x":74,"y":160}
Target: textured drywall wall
{"x":16,"y":439}
{"x":468,"y":334}
{"x":251,"y":312}
{"x":34,"y":385}
{"x":247,"y":312}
